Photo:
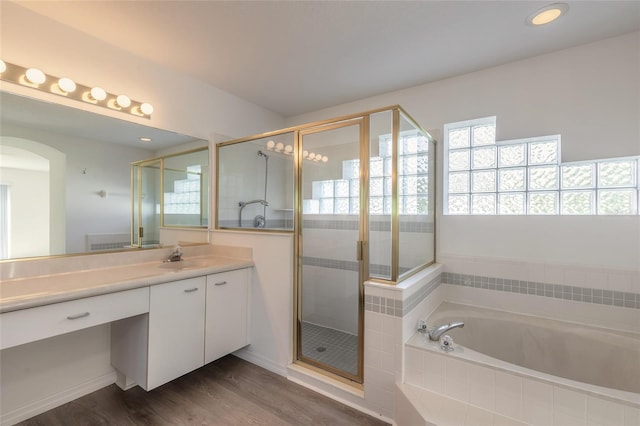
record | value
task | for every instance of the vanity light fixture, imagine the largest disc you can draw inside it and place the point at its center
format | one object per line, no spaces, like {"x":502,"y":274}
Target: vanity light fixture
{"x":34,"y":78}
{"x":547,"y":14}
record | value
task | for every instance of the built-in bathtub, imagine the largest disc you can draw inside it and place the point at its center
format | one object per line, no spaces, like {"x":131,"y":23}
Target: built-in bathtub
{"x":531,"y":369}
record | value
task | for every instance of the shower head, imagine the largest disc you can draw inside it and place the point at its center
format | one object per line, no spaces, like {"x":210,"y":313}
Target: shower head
{"x":262,"y":154}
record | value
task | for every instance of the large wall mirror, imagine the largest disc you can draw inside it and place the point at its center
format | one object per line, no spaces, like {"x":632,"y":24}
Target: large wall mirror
{"x":65,"y":177}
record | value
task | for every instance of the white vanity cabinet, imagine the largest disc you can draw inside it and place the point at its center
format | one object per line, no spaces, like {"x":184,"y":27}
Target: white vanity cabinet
{"x":155,"y":349}
{"x":190,"y":322}
{"x":227,"y":317}
{"x":176,"y":329}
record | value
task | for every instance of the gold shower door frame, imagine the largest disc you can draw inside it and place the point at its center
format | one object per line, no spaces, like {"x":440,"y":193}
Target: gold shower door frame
{"x":360,"y":247}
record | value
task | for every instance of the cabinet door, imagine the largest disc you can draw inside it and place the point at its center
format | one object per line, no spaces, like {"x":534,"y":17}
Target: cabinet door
{"x":176,"y":330}
{"x":227,"y":320}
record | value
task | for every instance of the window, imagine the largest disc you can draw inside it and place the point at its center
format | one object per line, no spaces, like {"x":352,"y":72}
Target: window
{"x":485,"y":177}
{"x":340,"y":196}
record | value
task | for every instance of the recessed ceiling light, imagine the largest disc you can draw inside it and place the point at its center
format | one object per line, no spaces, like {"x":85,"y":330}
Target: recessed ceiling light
{"x":547,"y":14}
{"x":142,"y":139}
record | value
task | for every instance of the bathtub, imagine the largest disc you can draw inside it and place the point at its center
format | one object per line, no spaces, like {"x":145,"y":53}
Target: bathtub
{"x":500,"y":359}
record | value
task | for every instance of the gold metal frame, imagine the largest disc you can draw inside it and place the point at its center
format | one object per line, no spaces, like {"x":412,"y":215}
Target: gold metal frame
{"x":363,"y":119}
{"x":362,"y":122}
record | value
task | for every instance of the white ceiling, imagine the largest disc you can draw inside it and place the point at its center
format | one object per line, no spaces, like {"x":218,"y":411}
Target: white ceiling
{"x":294,"y":57}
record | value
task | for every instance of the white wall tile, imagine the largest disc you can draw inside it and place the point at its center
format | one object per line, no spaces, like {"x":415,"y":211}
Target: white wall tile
{"x":621,"y":281}
{"x":569,"y":407}
{"x":535,"y":272}
{"x":373,"y":321}
{"x":595,"y":278}
{"x":387,"y":362}
{"x":434,"y":372}
{"x":508,"y":395}
{"x":388,"y":343}
{"x":372,"y":358}
{"x":575,"y":276}
{"x":372,"y":339}
{"x":537,"y":408}
{"x":601,"y":412}
{"x":456,"y":379}
{"x":414,"y":367}
{"x":482,"y":387}
{"x":554,"y":274}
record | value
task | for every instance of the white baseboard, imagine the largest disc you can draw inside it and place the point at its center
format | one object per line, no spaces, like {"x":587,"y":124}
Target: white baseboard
{"x":38,"y":407}
{"x":261,"y":361}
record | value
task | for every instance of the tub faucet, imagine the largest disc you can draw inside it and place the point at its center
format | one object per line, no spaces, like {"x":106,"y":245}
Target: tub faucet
{"x":435,"y":333}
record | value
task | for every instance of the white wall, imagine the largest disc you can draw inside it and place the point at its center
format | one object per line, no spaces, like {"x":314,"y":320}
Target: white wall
{"x":589,"y":94}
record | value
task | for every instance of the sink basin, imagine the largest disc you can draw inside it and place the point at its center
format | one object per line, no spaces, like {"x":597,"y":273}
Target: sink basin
{"x":181,"y":265}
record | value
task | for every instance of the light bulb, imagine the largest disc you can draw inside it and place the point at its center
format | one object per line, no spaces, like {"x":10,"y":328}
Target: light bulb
{"x":325,"y":159}
{"x":123,"y":101}
{"x":279,"y":146}
{"x":66,"y":85}
{"x":35,"y":76}
{"x":312,"y":156}
{"x":98,"y":94}
{"x":288,"y":149}
{"x":146,"y":108}
{"x":305,"y":154}
{"x":3,"y":66}
{"x":271,"y":144}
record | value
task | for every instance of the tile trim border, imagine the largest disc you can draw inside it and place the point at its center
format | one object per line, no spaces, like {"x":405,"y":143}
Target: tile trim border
{"x":399,"y":308}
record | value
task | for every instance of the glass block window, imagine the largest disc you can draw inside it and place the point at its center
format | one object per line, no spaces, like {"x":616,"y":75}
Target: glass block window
{"x":340,"y":196}
{"x":526,"y":176}
{"x":186,"y":197}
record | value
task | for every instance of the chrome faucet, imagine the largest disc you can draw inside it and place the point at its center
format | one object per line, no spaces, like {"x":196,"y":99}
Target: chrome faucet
{"x":176,"y":255}
{"x":437,"y":332}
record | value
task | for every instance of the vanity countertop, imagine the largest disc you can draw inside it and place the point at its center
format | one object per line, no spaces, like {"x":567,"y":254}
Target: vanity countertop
{"x":29,"y":292}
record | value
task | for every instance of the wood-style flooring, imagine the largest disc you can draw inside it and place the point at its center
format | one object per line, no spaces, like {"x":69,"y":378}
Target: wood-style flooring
{"x":229,"y":391}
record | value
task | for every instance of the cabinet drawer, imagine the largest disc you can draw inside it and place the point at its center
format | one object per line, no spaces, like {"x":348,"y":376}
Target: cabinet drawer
{"x":28,"y":325}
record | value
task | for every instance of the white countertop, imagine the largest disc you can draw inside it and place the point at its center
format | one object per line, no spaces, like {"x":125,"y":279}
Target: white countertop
{"x":29,"y":292}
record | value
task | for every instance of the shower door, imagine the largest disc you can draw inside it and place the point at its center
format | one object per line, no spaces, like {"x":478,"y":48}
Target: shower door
{"x":329,"y":248}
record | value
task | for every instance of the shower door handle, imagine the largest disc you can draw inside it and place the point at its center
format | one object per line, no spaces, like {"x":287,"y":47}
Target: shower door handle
{"x":360,"y":250}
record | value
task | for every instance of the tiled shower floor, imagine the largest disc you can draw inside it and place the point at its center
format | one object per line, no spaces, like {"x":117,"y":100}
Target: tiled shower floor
{"x":335,"y":348}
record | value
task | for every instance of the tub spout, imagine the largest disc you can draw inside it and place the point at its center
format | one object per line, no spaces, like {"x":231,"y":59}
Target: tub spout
{"x":435,"y":333}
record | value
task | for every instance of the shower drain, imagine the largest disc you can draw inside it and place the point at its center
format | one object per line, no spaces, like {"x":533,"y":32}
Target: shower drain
{"x":321,"y":349}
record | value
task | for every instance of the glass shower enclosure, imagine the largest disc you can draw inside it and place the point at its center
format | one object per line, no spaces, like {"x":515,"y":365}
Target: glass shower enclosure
{"x":360,"y":193}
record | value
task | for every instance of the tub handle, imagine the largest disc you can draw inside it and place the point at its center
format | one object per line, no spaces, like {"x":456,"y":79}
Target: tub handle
{"x":446,"y":343}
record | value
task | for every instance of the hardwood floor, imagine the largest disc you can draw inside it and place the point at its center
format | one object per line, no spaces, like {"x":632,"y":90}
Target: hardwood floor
{"x":229,"y":391}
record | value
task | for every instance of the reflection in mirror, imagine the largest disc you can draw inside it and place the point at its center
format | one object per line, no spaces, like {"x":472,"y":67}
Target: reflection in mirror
{"x":186,"y":189}
{"x":171,"y":191}
{"x":255,"y":183}
{"x":65,"y":181}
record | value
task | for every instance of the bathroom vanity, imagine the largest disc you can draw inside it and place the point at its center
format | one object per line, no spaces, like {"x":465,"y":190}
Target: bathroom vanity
{"x":166,"y":318}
